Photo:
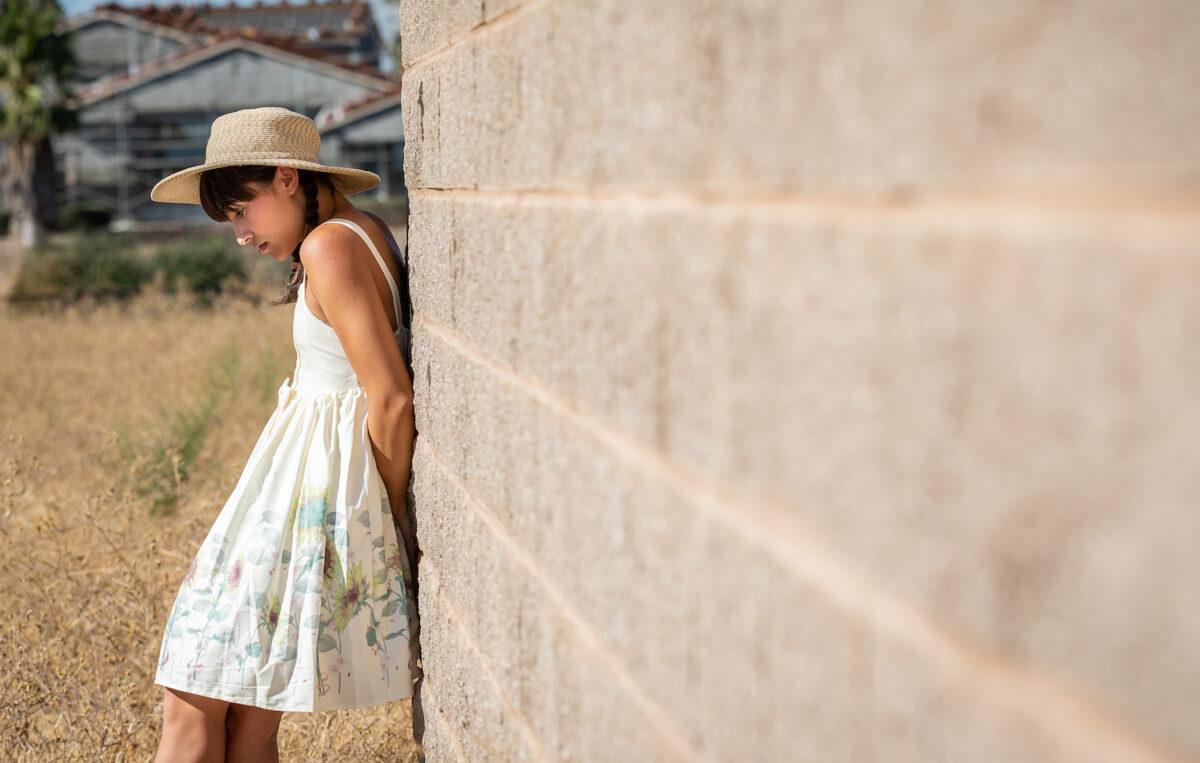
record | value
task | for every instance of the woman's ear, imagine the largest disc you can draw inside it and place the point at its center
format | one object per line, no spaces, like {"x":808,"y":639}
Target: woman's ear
{"x":289,"y":178}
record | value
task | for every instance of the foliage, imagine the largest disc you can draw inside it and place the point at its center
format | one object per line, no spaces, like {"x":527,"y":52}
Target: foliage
{"x":100,"y":267}
{"x":83,"y":216}
{"x":202,"y":264}
{"x":36,"y":62}
{"x":103,"y":266}
{"x":36,"y":65}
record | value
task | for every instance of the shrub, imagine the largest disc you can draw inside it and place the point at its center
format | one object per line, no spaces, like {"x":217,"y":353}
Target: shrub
{"x":83,"y":216}
{"x":202,"y":264}
{"x":96,"y":266}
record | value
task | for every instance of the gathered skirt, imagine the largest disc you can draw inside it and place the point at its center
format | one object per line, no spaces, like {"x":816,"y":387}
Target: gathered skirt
{"x":298,"y":598}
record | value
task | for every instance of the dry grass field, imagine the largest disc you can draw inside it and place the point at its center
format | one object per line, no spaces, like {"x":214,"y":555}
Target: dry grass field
{"x":122,"y":431}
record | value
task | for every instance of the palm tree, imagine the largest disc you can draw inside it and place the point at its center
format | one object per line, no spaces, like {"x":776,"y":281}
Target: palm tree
{"x":36,"y":63}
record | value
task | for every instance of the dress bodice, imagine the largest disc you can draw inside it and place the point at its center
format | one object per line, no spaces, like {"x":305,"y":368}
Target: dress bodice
{"x":321,"y":362}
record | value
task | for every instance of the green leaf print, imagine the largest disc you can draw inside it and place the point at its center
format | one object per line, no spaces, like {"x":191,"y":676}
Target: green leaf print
{"x":325,"y":643}
{"x":289,"y":654}
{"x":312,"y":505}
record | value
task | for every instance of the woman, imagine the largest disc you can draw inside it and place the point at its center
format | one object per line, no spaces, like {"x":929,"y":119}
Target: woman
{"x":301,"y":597}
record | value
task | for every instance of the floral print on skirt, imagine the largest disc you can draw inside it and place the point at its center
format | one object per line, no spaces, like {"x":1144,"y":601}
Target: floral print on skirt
{"x":297,"y":599}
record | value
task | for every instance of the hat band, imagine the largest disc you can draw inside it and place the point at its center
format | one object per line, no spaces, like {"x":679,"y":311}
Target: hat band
{"x":249,"y":157}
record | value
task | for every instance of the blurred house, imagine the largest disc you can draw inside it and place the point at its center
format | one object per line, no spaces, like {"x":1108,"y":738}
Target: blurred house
{"x":115,"y":39}
{"x":152,"y":79}
{"x":362,"y":133}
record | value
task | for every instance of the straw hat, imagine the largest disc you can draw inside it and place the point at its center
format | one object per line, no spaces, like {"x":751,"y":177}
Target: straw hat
{"x":269,"y":135}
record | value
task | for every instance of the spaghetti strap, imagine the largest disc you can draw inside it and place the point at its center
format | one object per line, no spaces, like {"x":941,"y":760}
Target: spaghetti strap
{"x":378,"y":258}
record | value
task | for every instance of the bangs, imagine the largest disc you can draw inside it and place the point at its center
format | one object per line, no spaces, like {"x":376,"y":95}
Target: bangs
{"x":223,"y":187}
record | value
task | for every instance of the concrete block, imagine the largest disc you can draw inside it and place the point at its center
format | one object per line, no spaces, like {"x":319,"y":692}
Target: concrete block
{"x":563,"y":692}
{"x":730,"y":643}
{"x":427,"y":26}
{"x":929,"y":395}
{"x":463,"y":696}
{"x":760,"y":98}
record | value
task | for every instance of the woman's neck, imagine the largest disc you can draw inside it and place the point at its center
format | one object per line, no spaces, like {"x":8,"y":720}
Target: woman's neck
{"x":331,"y":204}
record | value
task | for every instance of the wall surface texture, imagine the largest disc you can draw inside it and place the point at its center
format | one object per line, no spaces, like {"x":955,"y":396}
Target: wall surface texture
{"x":806,"y":380}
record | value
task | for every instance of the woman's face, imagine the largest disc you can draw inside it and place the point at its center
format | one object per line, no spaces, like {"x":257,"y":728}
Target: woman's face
{"x":274,"y":218}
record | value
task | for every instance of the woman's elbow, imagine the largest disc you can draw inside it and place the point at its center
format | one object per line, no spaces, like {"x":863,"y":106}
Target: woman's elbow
{"x":392,"y":402}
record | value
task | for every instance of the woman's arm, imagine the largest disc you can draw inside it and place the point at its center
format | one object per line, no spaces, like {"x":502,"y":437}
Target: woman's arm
{"x":343,"y":283}
{"x":392,"y":432}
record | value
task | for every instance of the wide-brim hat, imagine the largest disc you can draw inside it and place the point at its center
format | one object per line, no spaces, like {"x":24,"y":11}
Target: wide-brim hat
{"x":269,"y":135}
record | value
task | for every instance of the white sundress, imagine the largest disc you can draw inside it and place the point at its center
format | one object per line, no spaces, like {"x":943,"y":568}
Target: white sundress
{"x":297,"y":598}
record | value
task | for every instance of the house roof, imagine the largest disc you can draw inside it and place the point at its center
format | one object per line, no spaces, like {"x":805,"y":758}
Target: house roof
{"x":346,"y":113}
{"x":104,"y":14}
{"x":333,"y":20}
{"x":276,"y":46}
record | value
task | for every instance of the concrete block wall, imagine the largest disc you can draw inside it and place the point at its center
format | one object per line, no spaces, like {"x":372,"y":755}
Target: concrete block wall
{"x":806,"y":380}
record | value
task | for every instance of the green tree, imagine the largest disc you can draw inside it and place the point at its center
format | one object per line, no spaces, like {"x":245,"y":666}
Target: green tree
{"x":36,"y":64}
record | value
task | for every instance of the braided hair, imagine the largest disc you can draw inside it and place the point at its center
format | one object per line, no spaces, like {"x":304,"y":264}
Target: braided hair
{"x":221,"y":188}
{"x":308,"y":183}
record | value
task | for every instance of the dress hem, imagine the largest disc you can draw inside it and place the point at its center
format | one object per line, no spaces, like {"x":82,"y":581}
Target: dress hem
{"x":230,"y":693}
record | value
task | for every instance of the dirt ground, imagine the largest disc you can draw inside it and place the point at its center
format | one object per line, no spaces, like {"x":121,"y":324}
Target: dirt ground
{"x":122,"y":432}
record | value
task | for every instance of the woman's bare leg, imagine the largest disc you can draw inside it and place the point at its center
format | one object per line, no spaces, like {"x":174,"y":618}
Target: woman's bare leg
{"x":252,"y":734}
{"x":193,"y":728}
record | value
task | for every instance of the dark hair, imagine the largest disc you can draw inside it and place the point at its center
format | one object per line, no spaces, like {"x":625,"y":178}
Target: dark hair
{"x":221,"y":188}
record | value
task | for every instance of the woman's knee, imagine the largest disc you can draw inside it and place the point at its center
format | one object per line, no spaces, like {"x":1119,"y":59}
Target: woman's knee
{"x":251,"y":727}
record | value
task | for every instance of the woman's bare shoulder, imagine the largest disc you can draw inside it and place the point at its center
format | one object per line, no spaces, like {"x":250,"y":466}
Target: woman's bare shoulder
{"x":384,"y":228}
